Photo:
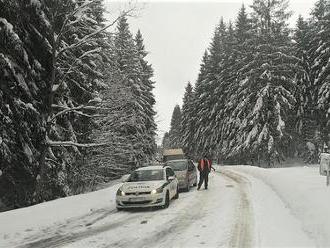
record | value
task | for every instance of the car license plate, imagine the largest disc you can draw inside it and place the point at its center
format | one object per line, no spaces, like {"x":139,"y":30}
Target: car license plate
{"x":137,"y":199}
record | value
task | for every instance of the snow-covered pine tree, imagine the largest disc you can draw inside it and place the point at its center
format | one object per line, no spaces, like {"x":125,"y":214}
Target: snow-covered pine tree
{"x":175,"y":135}
{"x":147,"y":99}
{"x":206,"y":98}
{"x":133,"y":123}
{"x":266,"y":86}
{"x":225,"y":88}
{"x":118,"y":96}
{"x":75,"y":39}
{"x":321,"y":67}
{"x":199,"y":89}
{"x":305,"y":110}
{"x":240,"y":49}
{"x":55,"y":49}
{"x":187,"y":121}
{"x":24,"y":60}
{"x":166,"y":141}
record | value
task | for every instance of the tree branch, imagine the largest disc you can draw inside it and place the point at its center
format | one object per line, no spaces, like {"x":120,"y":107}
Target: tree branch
{"x":87,"y":37}
{"x":71,"y":143}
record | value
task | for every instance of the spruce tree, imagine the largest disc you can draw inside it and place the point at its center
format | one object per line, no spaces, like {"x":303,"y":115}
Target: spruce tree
{"x":175,"y":135}
{"x":240,"y":47}
{"x":187,"y":123}
{"x":205,"y":91}
{"x":266,"y":86}
{"x":166,"y":141}
{"x":24,"y":59}
{"x":147,"y":98}
{"x":305,"y":110}
{"x":321,"y":68}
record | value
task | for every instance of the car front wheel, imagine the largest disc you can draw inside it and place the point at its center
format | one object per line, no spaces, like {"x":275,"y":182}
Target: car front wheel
{"x":167,"y":200}
{"x":195,"y":184}
{"x":177,"y":193}
{"x":188,"y":187}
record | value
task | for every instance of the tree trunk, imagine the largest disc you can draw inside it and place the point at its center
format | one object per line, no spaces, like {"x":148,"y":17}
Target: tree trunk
{"x":42,"y":181}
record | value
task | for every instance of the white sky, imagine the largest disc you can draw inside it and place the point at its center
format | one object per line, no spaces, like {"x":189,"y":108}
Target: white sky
{"x":176,"y":34}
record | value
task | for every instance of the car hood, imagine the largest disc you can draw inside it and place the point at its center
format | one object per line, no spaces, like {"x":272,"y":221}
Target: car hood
{"x":141,"y":186}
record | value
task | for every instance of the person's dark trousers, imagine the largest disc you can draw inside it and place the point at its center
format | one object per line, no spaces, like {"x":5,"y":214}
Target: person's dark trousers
{"x":206,"y":180}
{"x":201,"y":180}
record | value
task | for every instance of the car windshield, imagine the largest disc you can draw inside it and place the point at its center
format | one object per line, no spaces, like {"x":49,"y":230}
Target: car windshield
{"x":177,"y":165}
{"x":146,"y":175}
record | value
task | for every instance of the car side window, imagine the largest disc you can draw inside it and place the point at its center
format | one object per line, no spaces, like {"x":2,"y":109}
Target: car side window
{"x":169,"y":173}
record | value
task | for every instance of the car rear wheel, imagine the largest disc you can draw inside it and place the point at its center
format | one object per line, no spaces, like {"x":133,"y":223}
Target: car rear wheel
{"x":188,"y":187}
{"x":167,"y":200}
{"x":177,"y":193}
{"x":195,"y":184}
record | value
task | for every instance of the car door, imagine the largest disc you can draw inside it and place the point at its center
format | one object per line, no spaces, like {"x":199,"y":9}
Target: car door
{"x":172,"y":183}
{"x":191,"y":172}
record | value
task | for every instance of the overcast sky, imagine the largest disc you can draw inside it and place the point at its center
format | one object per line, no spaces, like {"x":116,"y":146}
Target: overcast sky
{"x":176,"y":34}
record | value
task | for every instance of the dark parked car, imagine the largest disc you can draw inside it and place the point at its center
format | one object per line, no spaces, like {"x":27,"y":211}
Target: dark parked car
{"x":185,"y":171}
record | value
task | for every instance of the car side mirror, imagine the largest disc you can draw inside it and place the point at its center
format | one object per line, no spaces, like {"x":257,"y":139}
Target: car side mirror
{"x":170,"y":178}
{"x":124,"y":178}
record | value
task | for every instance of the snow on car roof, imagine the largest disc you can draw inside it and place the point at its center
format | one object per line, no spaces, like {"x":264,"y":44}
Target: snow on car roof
{"x":176,"y":160}
{"x":152,"y":167}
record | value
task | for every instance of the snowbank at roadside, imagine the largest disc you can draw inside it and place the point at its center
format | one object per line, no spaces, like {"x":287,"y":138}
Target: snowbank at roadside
{"x":53,"y":212}
{"x":303,"y":191}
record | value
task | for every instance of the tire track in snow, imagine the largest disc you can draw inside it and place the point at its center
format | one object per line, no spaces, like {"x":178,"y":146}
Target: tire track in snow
{"x":57,"y":240}
{"x":194,"y":210}
{"x":176,"y":225}
{"x":243,"y":228}
{"x":285,"y":230}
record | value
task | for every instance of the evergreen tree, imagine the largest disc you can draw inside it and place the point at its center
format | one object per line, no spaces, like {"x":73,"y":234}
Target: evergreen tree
{"x":24,"y":59}
{"x":187,"y":123}
{"x":166,"y":141}
{"x":205,"y":91}
{"x":321,"y":67}
{"x":147,"y":98}
{"x":75,"y":38}
{"x":50,"y":78}
{"x":266,"y":86}
{"x":305,"y":124}
{"x":241,"y":56}
{"x":175,"y":135}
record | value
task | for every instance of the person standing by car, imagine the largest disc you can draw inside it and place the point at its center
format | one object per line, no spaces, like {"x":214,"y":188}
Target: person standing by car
{"x":204,"y":167}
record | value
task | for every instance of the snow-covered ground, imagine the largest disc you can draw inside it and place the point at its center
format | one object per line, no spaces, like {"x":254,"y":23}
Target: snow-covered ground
{"x":243,"y":207}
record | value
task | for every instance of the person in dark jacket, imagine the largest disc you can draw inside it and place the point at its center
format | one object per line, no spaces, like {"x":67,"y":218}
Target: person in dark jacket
{"x":204,"y":167}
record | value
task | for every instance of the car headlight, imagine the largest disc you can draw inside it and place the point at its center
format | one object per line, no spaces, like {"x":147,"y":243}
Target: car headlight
{"x":157,"y":191}
{"x":120,"y":192}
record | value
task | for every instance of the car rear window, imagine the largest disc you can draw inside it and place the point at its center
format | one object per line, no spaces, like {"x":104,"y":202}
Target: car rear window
{"x":146,"y":175}
{"x":177,"y":165}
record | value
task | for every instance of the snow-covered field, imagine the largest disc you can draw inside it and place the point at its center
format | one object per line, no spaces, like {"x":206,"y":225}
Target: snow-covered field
{"x":244,"y":207}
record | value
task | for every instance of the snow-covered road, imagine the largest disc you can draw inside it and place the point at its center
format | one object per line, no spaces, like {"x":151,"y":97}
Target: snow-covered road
{"x":239,"y":209}
{"x":195,"y":219}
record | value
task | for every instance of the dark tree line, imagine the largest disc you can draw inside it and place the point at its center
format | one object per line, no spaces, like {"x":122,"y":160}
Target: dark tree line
{"x":262,"y":94}
{"x":76,"y":101}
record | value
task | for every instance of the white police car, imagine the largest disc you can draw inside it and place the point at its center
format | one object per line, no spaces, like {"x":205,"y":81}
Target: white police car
{"x":148,"y":187}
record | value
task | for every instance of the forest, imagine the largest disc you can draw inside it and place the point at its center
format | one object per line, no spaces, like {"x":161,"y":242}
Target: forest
{"x":262,"y":93}
{"x":76,"y":100}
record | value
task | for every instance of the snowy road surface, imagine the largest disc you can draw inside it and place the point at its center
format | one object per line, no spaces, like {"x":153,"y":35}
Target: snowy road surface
{"x":238,"y":210}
